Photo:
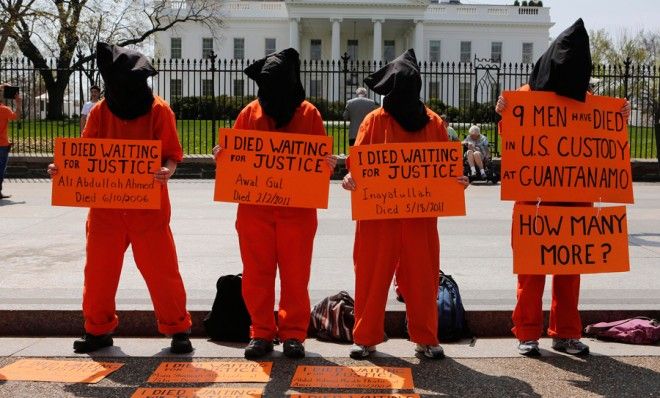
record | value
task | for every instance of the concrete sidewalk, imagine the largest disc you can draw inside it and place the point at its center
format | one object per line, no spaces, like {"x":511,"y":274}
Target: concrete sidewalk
{"x":480,"y":369}
{"x":42,"y":253}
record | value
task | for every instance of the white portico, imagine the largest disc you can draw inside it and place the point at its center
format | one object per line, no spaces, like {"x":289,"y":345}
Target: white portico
{"x":366,"y":30}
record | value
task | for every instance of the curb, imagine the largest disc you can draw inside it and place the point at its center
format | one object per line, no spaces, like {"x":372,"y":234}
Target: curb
{"x":141,"y":323}
{"x":203,"y":167}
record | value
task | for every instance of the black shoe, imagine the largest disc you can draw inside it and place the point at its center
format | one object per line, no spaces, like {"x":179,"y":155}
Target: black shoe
{"x":257,"y":348}
{"x":293,"y":349}
{"x":181,"y":344}
{"x":90,"y":342}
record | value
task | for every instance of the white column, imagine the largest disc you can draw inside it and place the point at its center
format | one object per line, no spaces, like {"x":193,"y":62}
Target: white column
{"x":378,"y":39}
{"x":294,"y":37}
{"x":336,"y":38}
{"x":419,"y":40}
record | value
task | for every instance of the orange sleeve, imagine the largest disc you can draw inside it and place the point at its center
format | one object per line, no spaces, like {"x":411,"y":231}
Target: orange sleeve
{"x":7,"y":113}
{"x":364,"y":132}
{"x":165,"y":129}
{"x":317,"y":122}
{"x":243,"y":119}
{"x":91,"y":129}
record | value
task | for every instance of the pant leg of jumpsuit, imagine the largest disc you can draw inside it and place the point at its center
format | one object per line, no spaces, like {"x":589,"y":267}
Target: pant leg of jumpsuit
{"x":527,"y":316}
{"x":108,"y":234}
{"x":379,"y":246}
{"x":270,"y":237}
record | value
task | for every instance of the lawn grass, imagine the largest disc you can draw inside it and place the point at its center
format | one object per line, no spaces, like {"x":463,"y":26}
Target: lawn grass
{"x":197,"y":138}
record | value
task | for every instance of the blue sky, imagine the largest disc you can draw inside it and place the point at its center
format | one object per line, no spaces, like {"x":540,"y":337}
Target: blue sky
{"x":611,"y":15}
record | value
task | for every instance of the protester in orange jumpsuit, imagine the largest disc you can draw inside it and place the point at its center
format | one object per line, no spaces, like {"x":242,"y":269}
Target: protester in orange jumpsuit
{"x":130,"y":111}
{"x":277,"y":238}
{"x":410,"y":243}
{"x":565,"y":69}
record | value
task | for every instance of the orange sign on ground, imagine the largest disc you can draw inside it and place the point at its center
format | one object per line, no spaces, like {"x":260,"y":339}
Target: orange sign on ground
{"x":204,"y":392}
{"x":569,"y":240}
{"x":558,"y":149}
{"x":211,"y":372}
{"x":331,"y":395}
{"x":57,"y":371}
{"x":370,"y":377}
{"x":275,"y":169}
{"x":106,"y":173}
{"x":407,"y":180}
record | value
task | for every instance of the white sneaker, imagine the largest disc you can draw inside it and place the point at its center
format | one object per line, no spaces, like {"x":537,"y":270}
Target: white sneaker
{"x":570,"y":346}
{"x":361,"y":351}
{"x":483,"y":173}
{"x":430,"y":351}
{"x":529,"y":348}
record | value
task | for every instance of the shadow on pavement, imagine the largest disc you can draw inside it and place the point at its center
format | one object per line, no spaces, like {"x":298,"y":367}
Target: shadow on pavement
{"x":610,"y":377}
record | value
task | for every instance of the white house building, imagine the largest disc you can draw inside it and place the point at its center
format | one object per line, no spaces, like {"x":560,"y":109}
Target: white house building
{"x":445,"y":31}
{"x":366,"y":30}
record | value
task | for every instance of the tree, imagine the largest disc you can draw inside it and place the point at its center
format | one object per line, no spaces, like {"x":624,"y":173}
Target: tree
{"x":59,"y":36}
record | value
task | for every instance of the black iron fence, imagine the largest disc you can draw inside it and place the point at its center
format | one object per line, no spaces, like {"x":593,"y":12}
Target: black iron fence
{"x":207,"y":94}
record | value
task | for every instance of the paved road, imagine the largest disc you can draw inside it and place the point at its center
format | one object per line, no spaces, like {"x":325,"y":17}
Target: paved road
{"x":42,"y":250}
{"x":484,"y":368}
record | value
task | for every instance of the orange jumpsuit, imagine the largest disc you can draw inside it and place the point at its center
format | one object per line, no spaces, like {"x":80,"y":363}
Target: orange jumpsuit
{"x":410,"y":243}
{"x":273,"y":238}
{"x":527,"y":316}
{"x":110,"y":231}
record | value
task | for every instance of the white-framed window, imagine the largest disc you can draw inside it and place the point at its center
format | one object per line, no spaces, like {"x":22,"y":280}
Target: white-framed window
{"x":207,"y":47}
{"x":388,"y":50}
{"x":466,"y":51}
{"x":315,"y":49}
{"x":207,"y":87}
{"x":434,"y":50}
{"x":434,"y":89}
{"x":464,"y":94}
{"x":496,"y":51}
{"x":527,"y":53}
{"x":238,"y":87}
{"x":175,"y":47}
{"x":352,"y":49}
{"x":239,"y":48}
{"x":176,"y":87}
{"x":270,"y":45}
{"x":315,"y":88}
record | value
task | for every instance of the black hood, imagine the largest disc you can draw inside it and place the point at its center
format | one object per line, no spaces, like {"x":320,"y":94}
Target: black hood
{"x":280,"y":90}
{"x":400,"y":82}
{"x":566,"y":66}
{"x":125,"y":73}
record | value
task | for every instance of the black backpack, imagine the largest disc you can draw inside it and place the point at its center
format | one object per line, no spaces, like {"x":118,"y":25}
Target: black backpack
{"x":452,"y":324}
{"x":229,"y":319}
{"x":333,"y":318}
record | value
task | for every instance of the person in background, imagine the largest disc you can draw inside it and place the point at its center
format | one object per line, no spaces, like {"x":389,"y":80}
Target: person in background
{"x":453,"y":136}
{"x":356,"y":109}
{"x":94,"y":96}
{"x":477,"y":150}
{"x":7,"y":114}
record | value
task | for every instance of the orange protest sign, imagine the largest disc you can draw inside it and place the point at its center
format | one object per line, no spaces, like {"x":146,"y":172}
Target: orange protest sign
{"x":204,"y":392}
{"x":331,"y":395}
{"x":211,"y":372}
{"x":407,"y":180}
{"x":558,"y":149}
{"x":275,"y":169}
{"x":57,"y":371}
{"x":369,"y":377}
{"x":569,"y":240}
{"x":106,"y":173}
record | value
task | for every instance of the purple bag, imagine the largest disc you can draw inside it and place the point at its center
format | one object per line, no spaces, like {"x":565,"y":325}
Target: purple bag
{"x":639,"y":330}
